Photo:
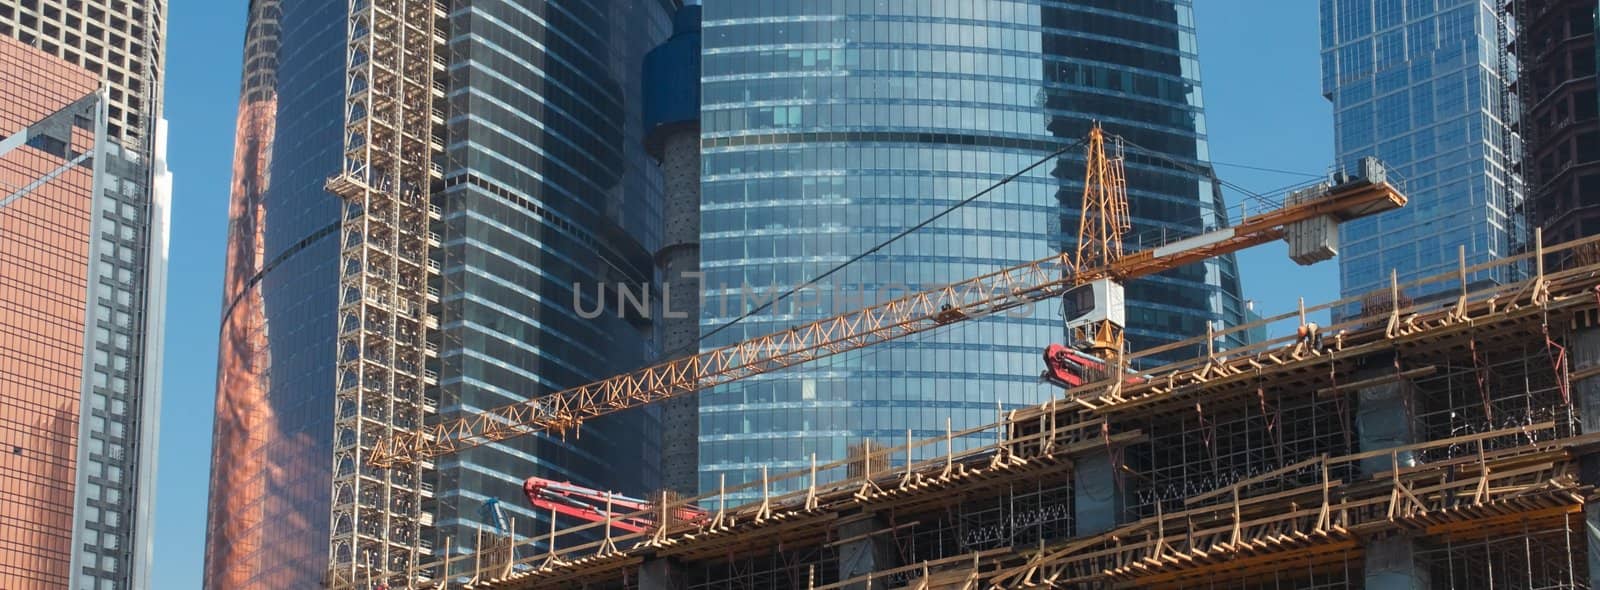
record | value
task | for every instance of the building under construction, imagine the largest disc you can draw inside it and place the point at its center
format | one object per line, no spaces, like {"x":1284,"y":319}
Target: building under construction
{"x":1444,"y":444}
{"x":1441,"y":442}
{"x":1426,"y":443}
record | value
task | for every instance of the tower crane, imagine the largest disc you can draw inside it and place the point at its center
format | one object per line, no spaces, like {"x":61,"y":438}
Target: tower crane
{"x":1091,"y":275}
{"x":1095,"y":310}
{"x":1095,"y":307}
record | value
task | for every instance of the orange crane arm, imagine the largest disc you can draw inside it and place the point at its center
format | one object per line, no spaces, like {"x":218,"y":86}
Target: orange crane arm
{"x":1351,"y":201}
{"x":992,"y":293}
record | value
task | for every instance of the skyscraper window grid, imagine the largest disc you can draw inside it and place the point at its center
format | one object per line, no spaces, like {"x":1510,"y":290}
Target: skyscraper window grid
{"x":1419,"y":84}
{"x":829,"y":126}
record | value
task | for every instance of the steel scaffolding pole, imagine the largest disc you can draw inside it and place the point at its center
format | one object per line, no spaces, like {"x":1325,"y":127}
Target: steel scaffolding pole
{"x":378,"y":523}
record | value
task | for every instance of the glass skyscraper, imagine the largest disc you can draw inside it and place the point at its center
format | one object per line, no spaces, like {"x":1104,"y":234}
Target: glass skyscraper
{"x":45,"y":229}
{"x":123,"y":42}
{"x":547,"y":187}
{"x":1420,"y":84}
{"x":830,"y":125}
{"x":267,"y":519}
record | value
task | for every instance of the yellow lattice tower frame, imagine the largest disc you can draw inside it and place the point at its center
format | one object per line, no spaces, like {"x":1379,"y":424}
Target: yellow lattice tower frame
{"x":378,"y":528}
{"x":1105,"y":206}
{"x":1101,"y":225}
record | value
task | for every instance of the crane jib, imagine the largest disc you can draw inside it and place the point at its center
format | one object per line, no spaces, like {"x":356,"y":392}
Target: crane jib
{"x":991,"y":293}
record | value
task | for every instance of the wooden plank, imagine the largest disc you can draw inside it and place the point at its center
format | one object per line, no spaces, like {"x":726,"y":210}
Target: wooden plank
{"x":1241,"y":567}
{"x":1255,"y":480}
{"x":1445,"y":442}
{"x":1375,"y":381}
{"x":1478,"y":528}
{"x":935,"y":567}
{"x":863,"y":536}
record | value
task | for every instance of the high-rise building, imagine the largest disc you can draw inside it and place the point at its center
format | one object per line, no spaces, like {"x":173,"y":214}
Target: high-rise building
{"x":547,"y":188}
{"x":123,"y":43}
{"x":1422,"y":86}
{"x":268,"y":506}
{"x":829,"y":126}
{"x":46,"y":206}
{"x":549,"y":194}
{"x":1556,"y":55}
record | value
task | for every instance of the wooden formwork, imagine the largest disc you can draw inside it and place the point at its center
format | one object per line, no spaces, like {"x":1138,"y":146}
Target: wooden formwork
{"x":1495,"y":482}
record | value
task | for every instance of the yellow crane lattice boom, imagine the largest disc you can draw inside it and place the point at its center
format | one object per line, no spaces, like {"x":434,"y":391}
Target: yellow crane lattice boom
{"x":996,"y":292}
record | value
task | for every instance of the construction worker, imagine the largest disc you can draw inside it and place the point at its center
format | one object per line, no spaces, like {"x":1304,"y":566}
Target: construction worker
{"x":1310,"y":337}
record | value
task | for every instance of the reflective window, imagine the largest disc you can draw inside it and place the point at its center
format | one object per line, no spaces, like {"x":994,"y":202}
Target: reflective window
{"x":1428,"y":105}
{"x":46,"y":269}
{"x":805,"y":167}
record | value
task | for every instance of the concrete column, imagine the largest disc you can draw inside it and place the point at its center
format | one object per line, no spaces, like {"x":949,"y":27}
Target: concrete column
{"x":1583,"y":348}
{"x":1591,"y":530}
{"x":1097,"y":504}
{"x":661,"y":574}
{"x":865,"y":547}
{"x":1391,"y":564}
{"x":1384,"y":417}
{"x":679,"y":263}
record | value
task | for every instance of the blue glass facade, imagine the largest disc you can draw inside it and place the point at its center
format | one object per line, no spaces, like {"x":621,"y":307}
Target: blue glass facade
{"x":1417,"y":83}
{"x":830,"y":125}
{"x":548,"y":189}
{"x":267,"y":526}
{"x":547,"y":186}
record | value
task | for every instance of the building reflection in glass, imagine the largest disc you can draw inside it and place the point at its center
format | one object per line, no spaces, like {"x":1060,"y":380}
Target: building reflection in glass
{"x":829,"y":126}
{"x":44,"y":286}
{"x":268,"y":508}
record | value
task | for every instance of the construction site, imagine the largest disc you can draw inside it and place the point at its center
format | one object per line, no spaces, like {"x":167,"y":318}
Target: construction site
{"x":1433,"y":444}
{"x":1439,"y":441}
{"x":1430,"y":446}
{"x":1439,"y":444}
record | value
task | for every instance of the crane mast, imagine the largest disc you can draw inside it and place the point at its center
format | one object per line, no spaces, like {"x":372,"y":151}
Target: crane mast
{"x":1096,"y":316}
{"x":1098,"y":261}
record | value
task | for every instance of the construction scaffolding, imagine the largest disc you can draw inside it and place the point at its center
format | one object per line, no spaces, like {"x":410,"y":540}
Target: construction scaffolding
{"x":379,"y":527}
{"x":1439,"y":441}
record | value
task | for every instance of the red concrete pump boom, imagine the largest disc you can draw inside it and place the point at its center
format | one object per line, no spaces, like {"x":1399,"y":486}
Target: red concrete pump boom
{"x":591,"y":505}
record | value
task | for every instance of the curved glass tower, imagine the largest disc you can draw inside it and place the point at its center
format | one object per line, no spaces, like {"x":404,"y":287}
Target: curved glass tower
{"x":1422,"y":87}
{"x":547,"y":188}
{"x":271,"y":443}
{"x":830,"y":125}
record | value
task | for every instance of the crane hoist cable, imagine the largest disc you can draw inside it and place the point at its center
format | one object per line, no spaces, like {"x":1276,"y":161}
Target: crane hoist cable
{"x":903,"y":233}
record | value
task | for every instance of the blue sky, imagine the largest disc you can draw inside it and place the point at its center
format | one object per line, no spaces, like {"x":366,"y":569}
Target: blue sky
{"x":204,"y":42}
{"x":1260,"y":67}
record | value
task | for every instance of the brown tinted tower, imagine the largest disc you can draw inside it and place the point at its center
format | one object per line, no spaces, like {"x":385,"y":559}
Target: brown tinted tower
{"x":44,"y":269}
{"x":122,"y":44}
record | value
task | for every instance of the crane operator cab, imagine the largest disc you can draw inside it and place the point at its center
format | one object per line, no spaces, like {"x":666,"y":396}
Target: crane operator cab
{"x":1095,"y":314}
{"x":1095,"y":311}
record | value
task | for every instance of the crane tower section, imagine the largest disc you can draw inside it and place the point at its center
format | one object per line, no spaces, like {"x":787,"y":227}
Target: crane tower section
{"x":395,"y":76}
{"x":1095,"y":309}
